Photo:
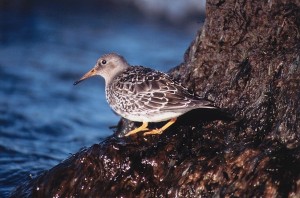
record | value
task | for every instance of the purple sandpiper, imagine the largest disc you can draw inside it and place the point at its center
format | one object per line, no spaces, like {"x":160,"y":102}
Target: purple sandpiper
{"x":142,"y":94}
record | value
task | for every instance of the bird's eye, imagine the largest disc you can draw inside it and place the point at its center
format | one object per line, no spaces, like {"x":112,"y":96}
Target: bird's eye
{"x":103,"y":62}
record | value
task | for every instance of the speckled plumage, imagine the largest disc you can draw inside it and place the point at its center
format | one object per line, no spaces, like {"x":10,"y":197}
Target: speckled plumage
{"x":145,"y":95}
{"x":142,"y":94}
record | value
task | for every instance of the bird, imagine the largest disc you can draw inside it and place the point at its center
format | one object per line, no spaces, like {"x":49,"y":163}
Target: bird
{"x":142,"y":94}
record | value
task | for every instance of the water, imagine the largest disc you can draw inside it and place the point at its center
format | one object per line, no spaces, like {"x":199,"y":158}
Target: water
{"x":43,"y":50}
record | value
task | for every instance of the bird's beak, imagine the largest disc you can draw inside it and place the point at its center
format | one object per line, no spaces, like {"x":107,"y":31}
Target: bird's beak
{"x":90,"y":73}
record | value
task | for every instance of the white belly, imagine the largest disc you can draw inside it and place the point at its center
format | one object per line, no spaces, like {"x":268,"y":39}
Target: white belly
{"x":157,"y":117}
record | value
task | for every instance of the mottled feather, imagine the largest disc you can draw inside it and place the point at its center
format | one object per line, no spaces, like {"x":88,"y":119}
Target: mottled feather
{"x":143,"y":91}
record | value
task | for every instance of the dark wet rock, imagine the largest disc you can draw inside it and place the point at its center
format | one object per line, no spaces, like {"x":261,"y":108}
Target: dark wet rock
{"x":246,"y":59}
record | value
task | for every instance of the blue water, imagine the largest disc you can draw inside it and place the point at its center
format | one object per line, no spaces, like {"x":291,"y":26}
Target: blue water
{"x":43,"y":50}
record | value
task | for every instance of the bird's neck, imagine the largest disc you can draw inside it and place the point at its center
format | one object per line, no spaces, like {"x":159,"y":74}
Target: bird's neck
{"x":110,"y":78}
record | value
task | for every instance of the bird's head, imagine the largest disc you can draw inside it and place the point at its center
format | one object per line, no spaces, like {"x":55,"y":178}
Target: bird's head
{"x":108,"y":66}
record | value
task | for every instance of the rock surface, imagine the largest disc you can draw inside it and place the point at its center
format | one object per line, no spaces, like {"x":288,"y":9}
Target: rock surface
{"x":246,"y":58}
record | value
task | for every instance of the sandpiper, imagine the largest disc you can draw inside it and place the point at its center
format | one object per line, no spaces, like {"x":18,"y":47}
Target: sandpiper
{"x":142,"y":94}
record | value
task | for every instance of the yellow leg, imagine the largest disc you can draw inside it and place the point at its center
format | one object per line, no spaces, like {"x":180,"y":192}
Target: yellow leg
{"x":139,"y":129}
{"x":159,"y":131}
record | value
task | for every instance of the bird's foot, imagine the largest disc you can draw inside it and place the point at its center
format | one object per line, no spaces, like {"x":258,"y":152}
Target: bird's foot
{"x":162,"y":129}
{"x":154,"y":132}
{"x":139,"y":129}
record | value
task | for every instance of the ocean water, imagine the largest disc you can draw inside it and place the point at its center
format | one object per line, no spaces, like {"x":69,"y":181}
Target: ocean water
{"x":44,"y":48}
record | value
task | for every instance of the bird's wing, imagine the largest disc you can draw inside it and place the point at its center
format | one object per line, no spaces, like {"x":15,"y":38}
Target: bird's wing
{"x":153,"y":90}
{"x":167,"y":95}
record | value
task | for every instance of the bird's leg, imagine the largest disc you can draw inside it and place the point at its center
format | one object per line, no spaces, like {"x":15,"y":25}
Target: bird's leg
{"x":139,"y":129}
{"x":159,"y":131}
